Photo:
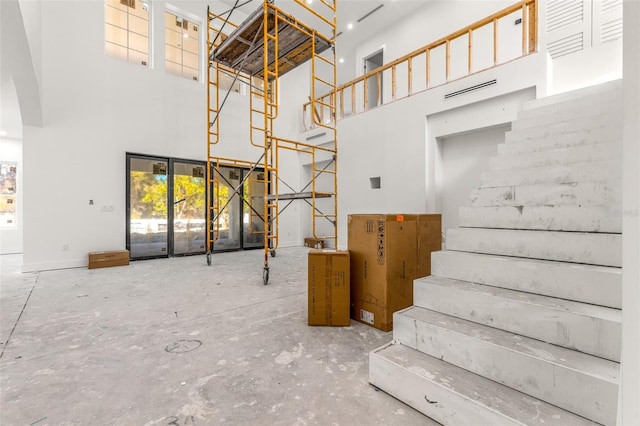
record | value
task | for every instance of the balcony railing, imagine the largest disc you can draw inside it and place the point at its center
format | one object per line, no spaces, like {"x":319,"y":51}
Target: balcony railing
{"x":506,"y":35}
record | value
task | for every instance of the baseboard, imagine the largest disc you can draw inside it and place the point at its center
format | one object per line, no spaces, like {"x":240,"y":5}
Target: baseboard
{"x":51,"y":266}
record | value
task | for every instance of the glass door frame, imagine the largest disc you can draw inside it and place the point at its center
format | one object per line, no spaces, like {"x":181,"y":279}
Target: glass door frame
{"x":244,"y":171}
{"x":170,"y":202}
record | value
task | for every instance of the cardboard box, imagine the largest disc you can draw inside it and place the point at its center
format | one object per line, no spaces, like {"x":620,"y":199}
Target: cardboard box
{"x":105,"y":259}
{"x":329,"y":287}
{"x":314,"y":243}
{"x":387,"y":253}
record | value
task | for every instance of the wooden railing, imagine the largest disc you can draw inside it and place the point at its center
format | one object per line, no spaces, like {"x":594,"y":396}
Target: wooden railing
{"x":437,"y":63}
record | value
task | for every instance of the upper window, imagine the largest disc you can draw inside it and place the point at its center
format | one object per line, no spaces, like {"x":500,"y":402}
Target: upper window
{"x":181,"y":52}
{"x":127,"y":30}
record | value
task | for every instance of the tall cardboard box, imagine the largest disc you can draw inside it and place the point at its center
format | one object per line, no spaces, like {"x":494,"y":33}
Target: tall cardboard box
{"x":329,"y":287}
{"x":388,"y":252}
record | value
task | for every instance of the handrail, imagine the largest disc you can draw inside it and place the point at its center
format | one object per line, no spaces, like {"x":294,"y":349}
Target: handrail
{"x":360,"y":85}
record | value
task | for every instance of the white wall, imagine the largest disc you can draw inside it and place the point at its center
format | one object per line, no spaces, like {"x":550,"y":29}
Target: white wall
{"x":398,"y":142}
{"x":95,"y":109}
{"x":464,"y":158}
{"x":630,"y":377}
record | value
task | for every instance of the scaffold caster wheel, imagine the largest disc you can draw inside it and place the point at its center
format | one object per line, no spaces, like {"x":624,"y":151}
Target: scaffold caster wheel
{"x":265,"y":276}
{"x":209,"y":259}
{"x":273,"y":253}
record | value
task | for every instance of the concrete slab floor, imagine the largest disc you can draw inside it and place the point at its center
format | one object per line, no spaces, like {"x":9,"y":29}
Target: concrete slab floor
{"x":176,"y":342}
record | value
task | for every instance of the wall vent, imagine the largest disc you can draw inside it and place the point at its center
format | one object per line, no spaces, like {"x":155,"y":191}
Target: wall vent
{"x":471,"y":89}
{"x":317,"y":135}
{"x":561,"y":13}
{"x":566,"y":45}
{"x":610,"y":4}
{"x":370,"y":13}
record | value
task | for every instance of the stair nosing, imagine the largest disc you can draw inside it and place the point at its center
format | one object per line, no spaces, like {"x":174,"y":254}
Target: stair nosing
{"x":478,"y":380}
{"x":592,"y":359}
{"x":603,"y":312}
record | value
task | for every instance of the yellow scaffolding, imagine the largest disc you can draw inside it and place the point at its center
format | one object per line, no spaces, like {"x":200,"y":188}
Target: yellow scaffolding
{"x":269,"y":43}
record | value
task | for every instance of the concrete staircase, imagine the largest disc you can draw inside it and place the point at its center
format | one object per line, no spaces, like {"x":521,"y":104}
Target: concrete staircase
{"x":520,"y":321}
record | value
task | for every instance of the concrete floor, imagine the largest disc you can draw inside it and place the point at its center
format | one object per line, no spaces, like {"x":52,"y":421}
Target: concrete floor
{"x":175,"y":342}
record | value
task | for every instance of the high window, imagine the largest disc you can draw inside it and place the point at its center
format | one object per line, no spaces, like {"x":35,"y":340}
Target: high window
{"x":182,"y":52}
{"x":127,"y":30}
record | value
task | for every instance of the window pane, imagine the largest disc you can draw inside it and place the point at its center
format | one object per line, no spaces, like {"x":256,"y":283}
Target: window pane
{"x":115,"y":17}
{"x":116,"y":4}
{"x":139,"y":58}
{"x":115,"y":50}
{"x":190,"y":73}
{"x":182,"y":50}
{"x":115,"y":35}
{"x":139,"y":43}
{"x":173,"y":54}
{"x":173,"y":68}
{"x":139,"y":26}
{"x":127,"y":30}
{"x":190,"y":60}
{"x":190,"y":44}
{"x":173,"y":38}
{"x":141,"y":10}
{"x":169,"y":20}
{"x":192,"y":30}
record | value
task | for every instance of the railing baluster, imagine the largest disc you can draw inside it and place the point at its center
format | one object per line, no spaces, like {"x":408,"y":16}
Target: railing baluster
{"x":533,"y":26}
{"x":495,"y":41}
{"x":470,"y":53}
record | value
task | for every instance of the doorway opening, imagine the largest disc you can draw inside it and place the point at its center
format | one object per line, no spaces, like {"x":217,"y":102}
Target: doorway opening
{"x":166,"y":207}
{"x":374,"y":83}
{"x":241,"y":221}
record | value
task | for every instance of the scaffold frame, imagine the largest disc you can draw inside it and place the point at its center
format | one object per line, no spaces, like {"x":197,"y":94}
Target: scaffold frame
{"x":269,"y":43}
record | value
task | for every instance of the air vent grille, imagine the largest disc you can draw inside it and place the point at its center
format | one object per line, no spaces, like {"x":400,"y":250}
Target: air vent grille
{"x":471,"y":89}
{"x":567,"y":45}
{"x":611,"y":30}
{"x":370,"y":13}
{"x":561,"y":13}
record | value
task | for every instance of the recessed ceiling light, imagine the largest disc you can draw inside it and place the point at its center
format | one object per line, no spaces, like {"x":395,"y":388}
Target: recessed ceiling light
{"x":350,"y":26}
{"x":341,"y":60}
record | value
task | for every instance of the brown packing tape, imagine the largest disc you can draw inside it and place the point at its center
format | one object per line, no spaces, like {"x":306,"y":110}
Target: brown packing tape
{"x":327,"y":287}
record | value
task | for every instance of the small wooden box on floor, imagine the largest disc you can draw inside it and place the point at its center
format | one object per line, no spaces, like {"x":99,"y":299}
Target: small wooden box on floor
{"x":329,"y":288}
{"x":105,"y":259}
{"x":314,"y":243}
{"x":388,"y":252}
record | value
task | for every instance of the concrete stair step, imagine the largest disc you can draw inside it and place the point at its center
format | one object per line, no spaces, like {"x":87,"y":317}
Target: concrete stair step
{"x":577,"y":247}
{"x":558,"y":156}
{"x":576,"y":382}
{"x":593,"y":193}
{"x":452,"y":396}
{"x":558,"y":173}
{"x":594,"y":330}
{"x":609,"y":102}
{"x":563,"y":118}
{"x":580,"y":95}
{"x":542,"y":218}
{"x":574,"y":139}
{"x":593,"y":128}
{"x":598,"y":285}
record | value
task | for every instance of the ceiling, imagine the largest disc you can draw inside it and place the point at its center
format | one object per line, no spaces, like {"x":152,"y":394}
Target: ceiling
{"x":351,"y":11}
